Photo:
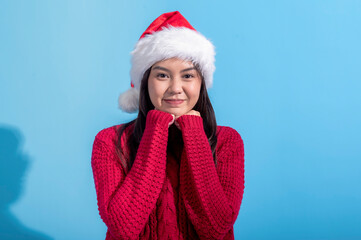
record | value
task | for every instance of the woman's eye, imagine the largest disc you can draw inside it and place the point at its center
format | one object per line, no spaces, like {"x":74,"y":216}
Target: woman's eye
{"x":188,"y":76}
{"x":161,"y":75}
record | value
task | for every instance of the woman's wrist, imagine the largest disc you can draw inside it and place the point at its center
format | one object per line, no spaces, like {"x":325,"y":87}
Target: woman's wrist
{"x":189,"y":121}
{"x":159,"y":118}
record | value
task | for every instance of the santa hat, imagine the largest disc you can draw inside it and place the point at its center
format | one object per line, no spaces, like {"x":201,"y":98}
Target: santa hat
{"x":168,"y":36}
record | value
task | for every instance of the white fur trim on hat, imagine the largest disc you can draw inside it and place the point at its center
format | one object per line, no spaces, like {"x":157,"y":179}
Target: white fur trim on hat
{"x":179,"y":42}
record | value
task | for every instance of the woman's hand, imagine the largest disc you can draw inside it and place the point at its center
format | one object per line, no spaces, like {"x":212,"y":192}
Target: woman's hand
{"x":191,"y":112}
{"x":173,"y":120}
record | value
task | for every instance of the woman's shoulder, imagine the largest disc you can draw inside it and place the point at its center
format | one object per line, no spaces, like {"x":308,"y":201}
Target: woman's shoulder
{"x":226,"y":132}
{"x":228,"y":135}
{"x":109,"y":135}
{"x":229,"y":143}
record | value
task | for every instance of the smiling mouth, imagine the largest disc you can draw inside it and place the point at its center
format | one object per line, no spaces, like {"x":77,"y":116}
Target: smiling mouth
{"x":173,"y":101}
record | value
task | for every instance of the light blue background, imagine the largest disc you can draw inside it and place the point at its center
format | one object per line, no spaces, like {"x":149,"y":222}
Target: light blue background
{"x":288,"y":79}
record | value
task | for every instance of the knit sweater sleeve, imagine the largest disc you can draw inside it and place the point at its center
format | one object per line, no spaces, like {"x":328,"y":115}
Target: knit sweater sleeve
{"x":212,"y":197}
{"x":125,"y":202}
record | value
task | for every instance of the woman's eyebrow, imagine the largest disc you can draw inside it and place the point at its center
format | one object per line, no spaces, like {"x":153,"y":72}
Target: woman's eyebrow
{"x":167,"y":70}
{"x":160,"y":68}
{"x":188,"y":69}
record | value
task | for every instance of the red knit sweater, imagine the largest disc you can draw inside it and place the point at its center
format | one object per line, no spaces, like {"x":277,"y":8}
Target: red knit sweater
{"x":162,"y":198}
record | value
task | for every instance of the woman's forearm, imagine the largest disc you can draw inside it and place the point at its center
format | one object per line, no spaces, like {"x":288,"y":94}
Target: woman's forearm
{"x":211,"y":205}
{"x":125,"y":208}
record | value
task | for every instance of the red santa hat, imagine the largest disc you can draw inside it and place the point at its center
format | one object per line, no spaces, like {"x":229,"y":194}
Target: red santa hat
{"x":168,"y":36}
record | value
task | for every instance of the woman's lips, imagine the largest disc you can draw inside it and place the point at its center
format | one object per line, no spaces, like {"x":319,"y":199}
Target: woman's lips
{"x":173,"y":101}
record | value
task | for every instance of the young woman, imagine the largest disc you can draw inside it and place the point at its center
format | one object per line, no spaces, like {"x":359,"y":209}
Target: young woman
{"x":172,"y":173}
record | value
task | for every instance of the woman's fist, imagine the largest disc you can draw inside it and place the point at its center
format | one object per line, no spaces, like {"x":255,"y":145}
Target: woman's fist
{"x":193,"y":112}
{"x":171,"y":122}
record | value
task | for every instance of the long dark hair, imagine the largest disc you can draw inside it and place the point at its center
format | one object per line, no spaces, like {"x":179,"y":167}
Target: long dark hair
{"x":203,"y":106}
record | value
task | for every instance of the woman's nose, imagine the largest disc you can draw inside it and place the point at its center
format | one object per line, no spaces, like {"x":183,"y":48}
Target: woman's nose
{"x":175,"y":85}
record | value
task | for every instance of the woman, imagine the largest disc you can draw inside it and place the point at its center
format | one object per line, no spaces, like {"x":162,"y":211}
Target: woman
{"x":172,"y":173}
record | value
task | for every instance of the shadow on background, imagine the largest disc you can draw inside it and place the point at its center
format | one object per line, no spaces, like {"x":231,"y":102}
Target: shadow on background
{"x":13,"y":165}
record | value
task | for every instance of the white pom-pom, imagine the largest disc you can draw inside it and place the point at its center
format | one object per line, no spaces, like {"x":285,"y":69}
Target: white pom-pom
{"x":129,"y":100}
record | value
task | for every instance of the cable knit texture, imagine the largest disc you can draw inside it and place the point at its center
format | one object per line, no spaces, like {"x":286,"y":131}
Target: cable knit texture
{"x":163,"y":197}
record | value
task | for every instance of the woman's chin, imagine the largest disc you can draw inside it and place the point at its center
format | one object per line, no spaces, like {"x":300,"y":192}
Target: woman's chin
{"x":175,"y":113}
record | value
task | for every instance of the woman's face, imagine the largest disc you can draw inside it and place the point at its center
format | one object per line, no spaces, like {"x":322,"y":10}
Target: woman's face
{"x":174,"y":86}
